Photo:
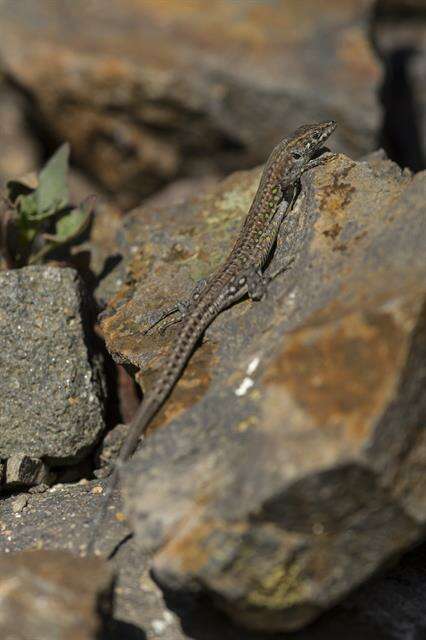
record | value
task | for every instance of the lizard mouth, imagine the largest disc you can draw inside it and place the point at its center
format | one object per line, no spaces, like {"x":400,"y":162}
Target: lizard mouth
{"x":319,"y":152}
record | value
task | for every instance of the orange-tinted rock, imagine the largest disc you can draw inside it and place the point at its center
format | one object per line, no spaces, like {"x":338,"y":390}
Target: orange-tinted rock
{"x":149,"y":91}
{"x":292,"y":468}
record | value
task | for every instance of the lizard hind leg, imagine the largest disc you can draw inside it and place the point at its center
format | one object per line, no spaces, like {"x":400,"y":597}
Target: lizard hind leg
{"x":256,"y":285}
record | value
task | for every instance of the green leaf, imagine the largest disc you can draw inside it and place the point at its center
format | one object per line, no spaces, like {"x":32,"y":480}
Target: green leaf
{"x":67,"y":228}
{"x":28,"y":209}
{"x":27,"y":206}
{"x":71,"y":224}
{"x":52,"y":192}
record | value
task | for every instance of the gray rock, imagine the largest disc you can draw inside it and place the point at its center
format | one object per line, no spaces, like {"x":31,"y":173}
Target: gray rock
{"x":51,"y":595}
{"x":292,"y":468}
{"x":51,"y":383}
{"x":60,"y":518}
{"x":388,"y":608}
{"x":19,"y":504}
{"x":23,"y":470}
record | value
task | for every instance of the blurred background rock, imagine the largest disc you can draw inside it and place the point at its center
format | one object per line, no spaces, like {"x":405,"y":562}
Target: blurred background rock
{"x":152,"y":92}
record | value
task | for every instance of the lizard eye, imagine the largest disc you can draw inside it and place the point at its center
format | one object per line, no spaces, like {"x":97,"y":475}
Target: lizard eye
{"x":296,"y":155}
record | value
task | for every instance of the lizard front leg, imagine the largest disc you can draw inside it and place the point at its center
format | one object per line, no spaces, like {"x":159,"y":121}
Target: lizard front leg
{"x":182,"y":307}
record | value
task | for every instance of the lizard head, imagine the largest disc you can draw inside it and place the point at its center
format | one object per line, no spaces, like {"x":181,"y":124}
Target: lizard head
{"x":309,"y":138}
{"x":303,"y":145}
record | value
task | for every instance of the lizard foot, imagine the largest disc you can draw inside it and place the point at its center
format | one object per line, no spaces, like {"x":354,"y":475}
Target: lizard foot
{"x":182,"y":307}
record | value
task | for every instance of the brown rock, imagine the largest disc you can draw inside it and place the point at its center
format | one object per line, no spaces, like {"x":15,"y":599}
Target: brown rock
{"x":296,"y":473}
{"x":18,"y":149}
{"x":51,"y":595}
{"x":154,"y":91}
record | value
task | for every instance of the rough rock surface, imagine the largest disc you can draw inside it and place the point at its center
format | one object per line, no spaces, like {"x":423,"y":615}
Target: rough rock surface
{"x":22,"y":470}
{"x":301,"y":454}
{"x":180,"y":192}
{"x":147,"y":91}
{"x":51,"y":384}
{"x":52,"y":596}
{"x":388,"y":608}
{"x":61,"y":518}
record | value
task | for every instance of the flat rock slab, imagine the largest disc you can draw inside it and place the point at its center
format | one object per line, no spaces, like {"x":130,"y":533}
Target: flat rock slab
{"x":293,"y":465}
{"x":59,"y":518}
{"x":51,"y":383}
{"x":149,"y":91}
{"x":52,"y":595}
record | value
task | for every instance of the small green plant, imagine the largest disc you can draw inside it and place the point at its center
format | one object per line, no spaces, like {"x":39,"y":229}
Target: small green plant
{"x":38,"y":216}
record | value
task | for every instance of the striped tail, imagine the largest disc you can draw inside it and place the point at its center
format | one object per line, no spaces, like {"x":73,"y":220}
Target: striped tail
{"x":193,"y":329}
{"x":187,"y":340}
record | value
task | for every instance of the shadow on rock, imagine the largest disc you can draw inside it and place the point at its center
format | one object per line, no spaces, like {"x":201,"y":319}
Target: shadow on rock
{"x":202,"y":622}
{"x":119,"y":630}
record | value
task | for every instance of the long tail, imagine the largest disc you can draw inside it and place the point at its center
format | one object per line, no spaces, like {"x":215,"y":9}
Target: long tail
{"x":192,"y":330}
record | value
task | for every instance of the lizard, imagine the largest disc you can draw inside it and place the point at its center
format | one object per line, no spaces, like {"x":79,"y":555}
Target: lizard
{"x":239,"y":275}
